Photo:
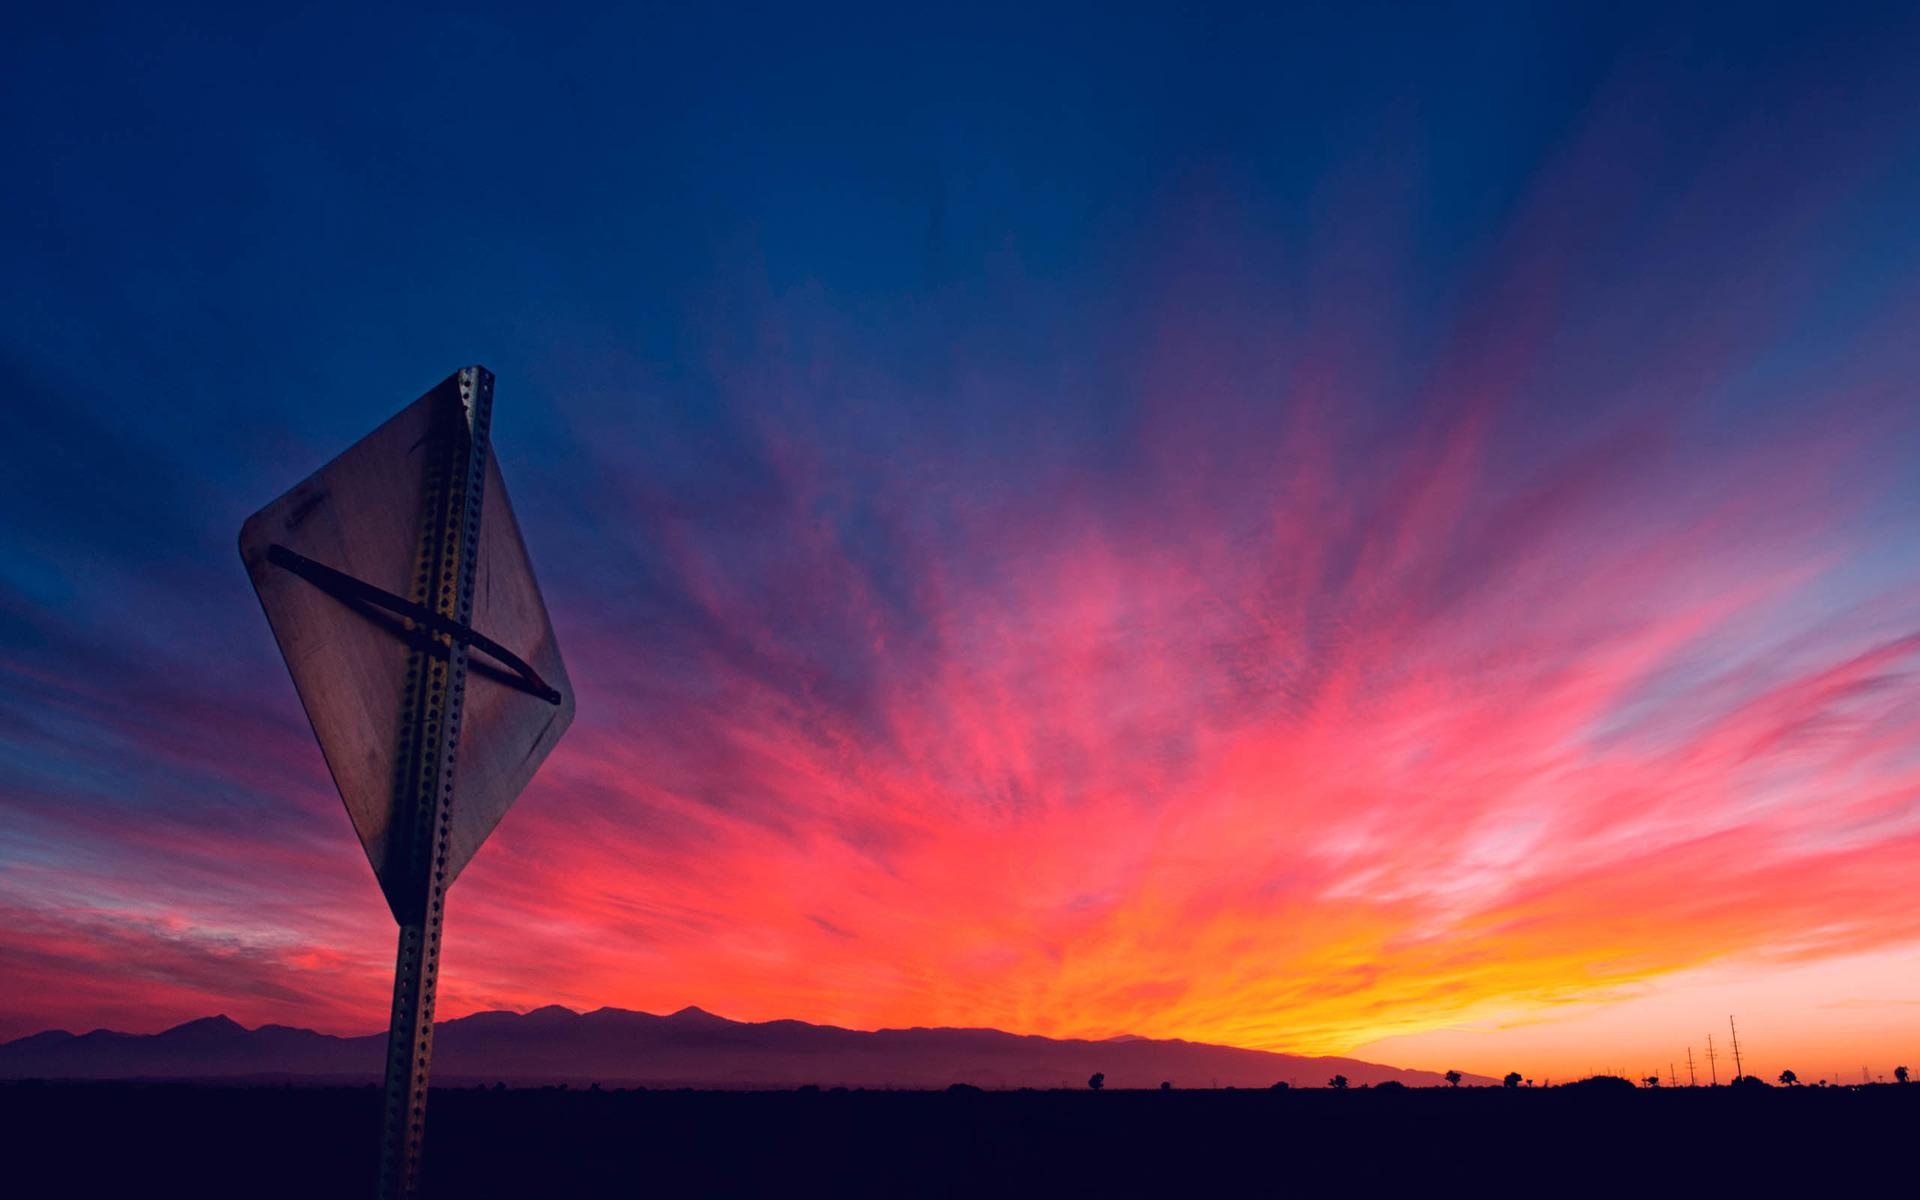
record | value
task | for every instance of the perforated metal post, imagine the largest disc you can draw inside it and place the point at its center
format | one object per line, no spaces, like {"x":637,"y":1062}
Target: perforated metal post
{"x":429,"y":735}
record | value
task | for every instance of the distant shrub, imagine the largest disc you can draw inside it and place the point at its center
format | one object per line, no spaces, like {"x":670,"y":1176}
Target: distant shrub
{"x":1601,"y":1084}
{"x":1389,"y":1085}
{"x":1512,"y":1080}
{"x":1098,"y":1081}
{"x":1282,"y":1086}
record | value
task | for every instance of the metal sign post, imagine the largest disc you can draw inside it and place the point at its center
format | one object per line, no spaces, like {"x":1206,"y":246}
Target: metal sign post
{"x":392,"y":578}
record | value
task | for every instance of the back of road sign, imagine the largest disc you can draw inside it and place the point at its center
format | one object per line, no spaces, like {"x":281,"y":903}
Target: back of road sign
{"x":361,"y":516}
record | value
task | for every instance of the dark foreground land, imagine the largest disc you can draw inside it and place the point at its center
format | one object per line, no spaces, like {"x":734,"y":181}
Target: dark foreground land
{"x":181,"y":1139}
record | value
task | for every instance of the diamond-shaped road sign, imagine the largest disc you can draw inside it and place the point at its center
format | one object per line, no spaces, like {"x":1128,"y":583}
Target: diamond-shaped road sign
{"x":401,"y":596}
{"x":360,"y":516}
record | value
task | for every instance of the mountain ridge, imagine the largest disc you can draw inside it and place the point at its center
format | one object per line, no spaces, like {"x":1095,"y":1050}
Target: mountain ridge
{"x":690,"y":1047}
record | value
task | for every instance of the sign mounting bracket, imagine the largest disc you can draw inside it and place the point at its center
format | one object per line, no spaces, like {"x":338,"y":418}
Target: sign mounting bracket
{"x":349,"y":590}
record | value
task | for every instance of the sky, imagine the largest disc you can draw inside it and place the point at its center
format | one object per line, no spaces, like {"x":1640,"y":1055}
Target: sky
{"x":1382,"y":531}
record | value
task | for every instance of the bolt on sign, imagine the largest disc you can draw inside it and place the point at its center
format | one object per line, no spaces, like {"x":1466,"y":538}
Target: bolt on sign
{"x":400,"y":593}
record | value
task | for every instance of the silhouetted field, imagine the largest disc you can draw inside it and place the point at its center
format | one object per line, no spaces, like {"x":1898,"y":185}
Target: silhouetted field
{"x":183,"y":1139}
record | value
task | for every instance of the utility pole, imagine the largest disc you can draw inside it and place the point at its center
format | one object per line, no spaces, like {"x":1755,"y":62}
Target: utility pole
{"x":1739,"y":1072}
{"x":1673,"y":1080}
{"x":1713,"y":1062}
{"x":1692,"y":1079}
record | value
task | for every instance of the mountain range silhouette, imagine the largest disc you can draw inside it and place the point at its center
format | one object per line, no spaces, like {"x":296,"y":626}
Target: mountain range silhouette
{"x":688,"y":1048}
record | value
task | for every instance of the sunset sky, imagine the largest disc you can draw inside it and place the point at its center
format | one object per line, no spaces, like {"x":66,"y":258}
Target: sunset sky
{"x":1380,"y":532}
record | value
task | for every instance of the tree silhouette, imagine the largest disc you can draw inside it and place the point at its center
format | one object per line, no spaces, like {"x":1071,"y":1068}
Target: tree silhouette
{"x":1166,"y":1086}
{"x":1452,"y":1078}
{"x":1512,"y":1080}
{"x":1652,"y":1081}
{"x":1098,"y":1081}
{"x":1789,"y":1078}
{"x":1899,"y":1074}
{"x":1338,"y":1081}
{"x":1281,"y":1086}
